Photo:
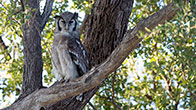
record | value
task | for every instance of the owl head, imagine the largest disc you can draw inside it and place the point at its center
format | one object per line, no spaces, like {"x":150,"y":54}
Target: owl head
{"x":66,"y":22}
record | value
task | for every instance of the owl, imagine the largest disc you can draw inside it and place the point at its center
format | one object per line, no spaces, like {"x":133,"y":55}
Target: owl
{"x":69,"y":57}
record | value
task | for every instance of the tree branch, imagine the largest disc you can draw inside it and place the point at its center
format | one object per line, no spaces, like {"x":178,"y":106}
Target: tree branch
{"x":4,"y":48}
{"x":154,"y":81}
{"x":168,"y":85}
{"x":192,"y":95}
{"x":113,"y":80}
{"x":176,"y":99}
{"x":46,"y":13}
{"x":97,"y":74}
{"x":22,"y":4}
{"x":92,"y":106}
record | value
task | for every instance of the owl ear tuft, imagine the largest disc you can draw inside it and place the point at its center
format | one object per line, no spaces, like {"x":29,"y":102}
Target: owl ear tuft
{"x":76,"y":15}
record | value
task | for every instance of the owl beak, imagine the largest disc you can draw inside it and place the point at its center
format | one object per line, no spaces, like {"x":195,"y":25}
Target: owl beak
{"x":66,"y":26}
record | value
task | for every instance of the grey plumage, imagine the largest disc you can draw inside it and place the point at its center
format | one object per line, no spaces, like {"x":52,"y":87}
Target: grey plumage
{"x":69,"y":57}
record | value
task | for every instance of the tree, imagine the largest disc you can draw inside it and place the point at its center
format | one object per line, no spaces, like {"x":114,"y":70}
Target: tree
{"x":108,"y":43}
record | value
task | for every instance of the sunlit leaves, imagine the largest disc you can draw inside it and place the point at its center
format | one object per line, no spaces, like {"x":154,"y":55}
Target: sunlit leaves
{"x":83,"y":5}
{"x":169,"y":52}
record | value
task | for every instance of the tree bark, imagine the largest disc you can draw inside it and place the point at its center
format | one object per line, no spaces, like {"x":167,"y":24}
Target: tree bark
{"x":105,"y":28}
{"x":33,"y":65}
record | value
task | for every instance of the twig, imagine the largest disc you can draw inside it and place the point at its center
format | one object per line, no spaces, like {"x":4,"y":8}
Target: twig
{"x":168,"y":85}
{"x":4,"y":6}
{"x":9,"y":17}
{"x":183,"y":71}
{"x":23,"y":5}
{"x":149,"y":97}
{"x":14,"y":12}
{"x":17,"y":11}
{"x":193,"y":96}
{"x":154,"y":81}
{"x":94,"y":108}
{"x":113,"y":80}
{"x":4,"y":48}
{"x":177,"y":93}
{"x":112,"y":101}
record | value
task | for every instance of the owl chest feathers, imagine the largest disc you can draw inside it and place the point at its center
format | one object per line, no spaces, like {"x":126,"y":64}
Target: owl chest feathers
{"x":61,"y":57}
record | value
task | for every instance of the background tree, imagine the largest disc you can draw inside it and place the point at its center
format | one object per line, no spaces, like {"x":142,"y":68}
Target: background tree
{"x":167,"y":51}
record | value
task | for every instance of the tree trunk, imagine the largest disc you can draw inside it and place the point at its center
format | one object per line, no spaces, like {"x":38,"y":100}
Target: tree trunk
{"x":105,"y":28}
{"x":33,"y":66}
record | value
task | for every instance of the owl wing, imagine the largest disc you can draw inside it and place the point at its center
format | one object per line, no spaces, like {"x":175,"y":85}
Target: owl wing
{"x":78,"y":55}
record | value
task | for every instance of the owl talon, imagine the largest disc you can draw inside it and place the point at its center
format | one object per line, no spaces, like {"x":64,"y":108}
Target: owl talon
{"x":62,"y":81}
{"x":67,"y":80}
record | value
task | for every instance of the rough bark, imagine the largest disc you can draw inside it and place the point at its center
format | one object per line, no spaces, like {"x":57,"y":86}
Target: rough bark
{"x":45,"y":96}
{"x":33,"y":66}
{"x":105,"y":28}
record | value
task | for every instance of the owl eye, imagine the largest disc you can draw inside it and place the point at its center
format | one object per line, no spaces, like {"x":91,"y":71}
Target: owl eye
{"x":63,"y":22}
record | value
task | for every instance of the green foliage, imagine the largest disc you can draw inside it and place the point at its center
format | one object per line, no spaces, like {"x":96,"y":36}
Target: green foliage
{"x":83,"y":5}
{"x":160,"y":74}
{"x":11,"y":59}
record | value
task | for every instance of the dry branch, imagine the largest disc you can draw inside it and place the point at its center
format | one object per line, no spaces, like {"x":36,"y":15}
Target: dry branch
{"x":92,"y":106}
